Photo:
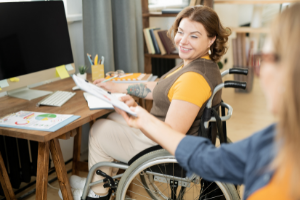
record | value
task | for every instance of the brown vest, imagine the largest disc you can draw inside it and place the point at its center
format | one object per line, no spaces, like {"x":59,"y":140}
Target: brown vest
{"x":161,"y":103}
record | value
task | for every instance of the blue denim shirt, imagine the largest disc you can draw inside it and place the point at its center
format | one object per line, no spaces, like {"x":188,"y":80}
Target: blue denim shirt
{"x":244,"y":162}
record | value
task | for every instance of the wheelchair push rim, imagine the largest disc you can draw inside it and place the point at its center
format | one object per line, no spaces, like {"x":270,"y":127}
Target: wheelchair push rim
{"x":191,"y":188}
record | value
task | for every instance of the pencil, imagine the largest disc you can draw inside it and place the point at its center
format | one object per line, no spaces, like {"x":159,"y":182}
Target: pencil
{"x":109,"y":79}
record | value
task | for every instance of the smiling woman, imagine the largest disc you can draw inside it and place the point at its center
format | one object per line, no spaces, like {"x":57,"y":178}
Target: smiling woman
{"x":200,"y":22}
{"x":179,"y":97}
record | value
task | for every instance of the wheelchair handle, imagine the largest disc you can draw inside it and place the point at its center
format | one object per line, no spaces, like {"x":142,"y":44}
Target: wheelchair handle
{"x":241,"y":71}
{"x":235,"y":84}
{"x":223,"y":118}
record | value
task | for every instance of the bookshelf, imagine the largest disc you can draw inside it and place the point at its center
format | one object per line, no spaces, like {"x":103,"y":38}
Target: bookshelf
{"x":146,"y":16}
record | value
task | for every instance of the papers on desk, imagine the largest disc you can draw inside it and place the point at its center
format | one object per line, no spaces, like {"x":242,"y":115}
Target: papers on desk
{"x":96,"y":103}
{"x":101,"y":94}
{"x":36,"y":121}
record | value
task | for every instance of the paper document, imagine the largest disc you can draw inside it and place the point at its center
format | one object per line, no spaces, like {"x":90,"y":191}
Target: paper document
{"x":4,"y":83}
{"x":95,"y":103}
{"x":62,"y":72}
{"x":36,"y":120}
{"x":102,"y":94}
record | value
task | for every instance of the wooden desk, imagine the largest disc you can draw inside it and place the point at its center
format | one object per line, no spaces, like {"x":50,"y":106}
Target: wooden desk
{"x":77,"y":105}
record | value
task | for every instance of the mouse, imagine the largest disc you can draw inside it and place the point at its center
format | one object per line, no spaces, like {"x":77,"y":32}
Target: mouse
{"x":75,"y":88}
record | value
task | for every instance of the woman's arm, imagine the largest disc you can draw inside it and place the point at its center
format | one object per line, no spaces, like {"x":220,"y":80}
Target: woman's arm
{"x":181,"y":115}
{"x":153,"y":128}
{"x":141,"y":90}
{"x":196,"y":154}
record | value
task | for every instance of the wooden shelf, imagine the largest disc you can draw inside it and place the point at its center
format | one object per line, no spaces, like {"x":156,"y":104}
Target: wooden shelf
{"x":158,"y":14}
{"x":254,"y":1}
{"x":168,"y":56}
{"x":249,"y":30}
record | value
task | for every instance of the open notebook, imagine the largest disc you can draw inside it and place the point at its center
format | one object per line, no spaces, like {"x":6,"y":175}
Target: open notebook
{"x":96,"y":103}
{"x":101,"y":94}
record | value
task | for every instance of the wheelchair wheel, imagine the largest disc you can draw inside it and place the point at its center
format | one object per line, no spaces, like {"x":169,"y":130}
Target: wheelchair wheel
{"x":158,"y":176}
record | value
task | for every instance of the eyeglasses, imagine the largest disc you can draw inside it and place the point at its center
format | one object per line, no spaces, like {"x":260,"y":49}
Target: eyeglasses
{"x":266,"y":57}
{"x":263,"y":57}
{"x":117,"y":73}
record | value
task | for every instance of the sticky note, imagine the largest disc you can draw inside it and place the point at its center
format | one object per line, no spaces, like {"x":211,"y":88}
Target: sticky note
{"x":4,"y":83}
{"x":69,"y":67}
{"x":97,"y":72}
{"x":0,"y":89}
{"x":14,"y":79}
{"x":62,"y":72}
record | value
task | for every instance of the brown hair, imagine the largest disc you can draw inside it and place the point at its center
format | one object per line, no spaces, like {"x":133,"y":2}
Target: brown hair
{"x":285,"y":36}
{"x":211,"y":22}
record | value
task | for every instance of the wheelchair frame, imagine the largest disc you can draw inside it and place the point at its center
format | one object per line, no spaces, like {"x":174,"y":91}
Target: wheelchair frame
{"x":169,"y":159}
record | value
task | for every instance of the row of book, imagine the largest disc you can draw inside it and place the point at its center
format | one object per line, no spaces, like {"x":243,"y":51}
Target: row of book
{"x":242,"y":49}
{"x":158,"y":42}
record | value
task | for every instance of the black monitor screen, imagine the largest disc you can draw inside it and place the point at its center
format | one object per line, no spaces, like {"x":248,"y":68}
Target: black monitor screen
{"x":33,"y":36}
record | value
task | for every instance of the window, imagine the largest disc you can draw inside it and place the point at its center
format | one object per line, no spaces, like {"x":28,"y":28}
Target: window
{"x":157,"y":5}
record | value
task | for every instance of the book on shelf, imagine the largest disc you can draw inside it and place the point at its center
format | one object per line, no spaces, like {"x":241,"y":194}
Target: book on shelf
{"x":166,"y":41}
{"x":160,"y":45}
{"x":155,"y":44}
{"x":149,"y":42}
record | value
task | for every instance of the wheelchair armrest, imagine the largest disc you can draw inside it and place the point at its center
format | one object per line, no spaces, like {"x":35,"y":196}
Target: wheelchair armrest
{"x":241,"y":71}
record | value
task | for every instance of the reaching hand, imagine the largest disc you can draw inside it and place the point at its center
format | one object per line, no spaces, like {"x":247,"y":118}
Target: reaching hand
{"x":108,"y":86}
{"x":128,"y":100}
{"x":137,"y":122}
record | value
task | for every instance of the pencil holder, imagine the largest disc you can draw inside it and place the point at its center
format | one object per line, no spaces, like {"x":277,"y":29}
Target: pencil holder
{"x":97,"y":72}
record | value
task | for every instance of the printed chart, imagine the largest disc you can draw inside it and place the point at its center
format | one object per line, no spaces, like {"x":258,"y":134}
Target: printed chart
{"x":34,"y":120}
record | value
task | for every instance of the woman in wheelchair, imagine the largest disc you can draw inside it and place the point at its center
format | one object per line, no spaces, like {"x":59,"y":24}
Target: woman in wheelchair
{"x":178,"y":97}
{"x":268,"y":162}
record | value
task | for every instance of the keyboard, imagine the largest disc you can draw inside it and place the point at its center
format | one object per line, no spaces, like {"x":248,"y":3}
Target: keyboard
{"x":57,"y":98}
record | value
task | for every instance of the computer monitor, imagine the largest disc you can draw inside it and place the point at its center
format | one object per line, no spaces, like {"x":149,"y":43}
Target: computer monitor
{"x":34,"y":36}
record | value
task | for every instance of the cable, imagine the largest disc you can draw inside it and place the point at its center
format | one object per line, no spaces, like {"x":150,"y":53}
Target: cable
{"x":53,"y":187}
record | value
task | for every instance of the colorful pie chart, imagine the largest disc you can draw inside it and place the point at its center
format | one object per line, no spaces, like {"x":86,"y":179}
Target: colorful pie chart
{"x":22,"y":122}
{"x":45,"y":117}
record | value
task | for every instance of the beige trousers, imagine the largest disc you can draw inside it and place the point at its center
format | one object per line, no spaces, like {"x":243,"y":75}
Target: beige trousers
{"x":112,"y":139}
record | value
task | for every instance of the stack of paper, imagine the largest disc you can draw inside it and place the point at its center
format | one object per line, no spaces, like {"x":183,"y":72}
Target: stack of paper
{"x":96,"y":103}
{"x":102,"y":94}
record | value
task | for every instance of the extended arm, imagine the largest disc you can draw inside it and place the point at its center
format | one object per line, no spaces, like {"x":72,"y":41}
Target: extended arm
{"x":196,"y":154}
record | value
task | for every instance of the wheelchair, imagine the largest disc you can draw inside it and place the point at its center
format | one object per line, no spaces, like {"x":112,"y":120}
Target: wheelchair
{"x":155,"y":174}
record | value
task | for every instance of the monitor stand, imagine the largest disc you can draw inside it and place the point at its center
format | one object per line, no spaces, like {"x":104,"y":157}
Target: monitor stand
{"x":27,"y":94}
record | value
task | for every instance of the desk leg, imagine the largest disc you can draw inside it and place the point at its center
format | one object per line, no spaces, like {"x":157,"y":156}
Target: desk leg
{"x":5,"y":182}
{"x":76,"y":151}
{"x":42,"y":171}
{"x":60,"y":169}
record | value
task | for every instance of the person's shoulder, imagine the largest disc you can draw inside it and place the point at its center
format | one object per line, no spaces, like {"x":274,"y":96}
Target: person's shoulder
{"x":191,"y":77}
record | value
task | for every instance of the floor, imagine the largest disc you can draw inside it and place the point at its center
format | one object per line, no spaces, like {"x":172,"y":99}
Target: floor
{"x":250,"y":115}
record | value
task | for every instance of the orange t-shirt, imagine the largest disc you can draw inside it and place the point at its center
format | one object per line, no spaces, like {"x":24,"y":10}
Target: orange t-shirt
{"x":277,"y":188}
{"x":191,"y":87}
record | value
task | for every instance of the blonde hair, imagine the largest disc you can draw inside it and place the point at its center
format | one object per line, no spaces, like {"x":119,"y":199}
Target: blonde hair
{"x":285,"y":36}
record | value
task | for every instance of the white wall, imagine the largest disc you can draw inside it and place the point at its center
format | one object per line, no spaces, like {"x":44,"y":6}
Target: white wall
{"x":74,"y":12}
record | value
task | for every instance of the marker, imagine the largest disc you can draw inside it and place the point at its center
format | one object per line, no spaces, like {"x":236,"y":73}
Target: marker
{"x":96,"y":59}
{"x":90,"y":59}
{"x":102,"y":60}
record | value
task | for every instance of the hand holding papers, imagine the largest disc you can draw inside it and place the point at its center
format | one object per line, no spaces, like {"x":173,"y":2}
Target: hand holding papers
{"x":102,"y":94}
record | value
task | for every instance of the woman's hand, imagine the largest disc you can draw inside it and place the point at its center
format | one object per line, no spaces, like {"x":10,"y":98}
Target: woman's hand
{"x":137,"y":122}
{"x":108,"y":86}
{"x":128,"y":100}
